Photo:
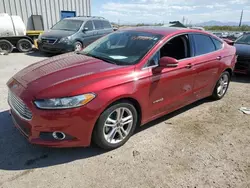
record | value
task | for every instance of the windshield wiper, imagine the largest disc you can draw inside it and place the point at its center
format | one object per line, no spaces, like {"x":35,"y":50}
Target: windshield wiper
{"x":98,"y":57}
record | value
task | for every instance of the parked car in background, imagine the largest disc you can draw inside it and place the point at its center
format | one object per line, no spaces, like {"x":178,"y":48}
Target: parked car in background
{"x":242,"y":45}
{"x":72,"y":34}
{"x":218,"y":34}
{"x":225,"y":34}
{"x":237,"y":34}
{"x":123,"y":80}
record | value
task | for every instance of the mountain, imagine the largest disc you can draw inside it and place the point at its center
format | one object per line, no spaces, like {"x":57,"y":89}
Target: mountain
{"x":218,"y":23}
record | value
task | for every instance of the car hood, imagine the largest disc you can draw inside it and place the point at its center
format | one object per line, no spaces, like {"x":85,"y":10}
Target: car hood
{"x":242,"y":50}
{"x":57,"y":34}
{"x":69,"y":74}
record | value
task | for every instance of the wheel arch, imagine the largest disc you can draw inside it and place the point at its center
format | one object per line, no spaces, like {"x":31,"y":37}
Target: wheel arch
{"x":131,"y":100}
{"x":230,"y":71}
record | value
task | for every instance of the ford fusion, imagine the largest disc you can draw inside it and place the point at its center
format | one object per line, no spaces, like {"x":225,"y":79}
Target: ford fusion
{"x":123,"y":80}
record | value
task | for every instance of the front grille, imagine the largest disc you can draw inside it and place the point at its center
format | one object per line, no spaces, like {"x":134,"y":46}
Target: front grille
{"x":19,"y":107}
{"x":48,"y":41}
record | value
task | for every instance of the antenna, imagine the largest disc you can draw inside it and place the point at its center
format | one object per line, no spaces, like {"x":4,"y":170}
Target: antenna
{"x":241,"y":18}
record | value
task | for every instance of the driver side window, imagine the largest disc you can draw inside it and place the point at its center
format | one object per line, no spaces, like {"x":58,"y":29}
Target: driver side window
{"x":178,"y":48}
{"x":89,"y":25}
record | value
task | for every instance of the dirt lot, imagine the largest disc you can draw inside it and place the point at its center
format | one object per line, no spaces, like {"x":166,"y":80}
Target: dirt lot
{"x":206,"y":144}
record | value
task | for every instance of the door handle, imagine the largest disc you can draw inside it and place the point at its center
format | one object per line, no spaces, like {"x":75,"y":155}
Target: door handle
{"x":189,"y":66}
{"x":219,"y":58}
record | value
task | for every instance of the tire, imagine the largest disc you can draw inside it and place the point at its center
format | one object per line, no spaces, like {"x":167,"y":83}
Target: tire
{"x":78,"y":46}
{"x":24,"y":45}
{"x":221,"y":86}
{"x":6,"y":46}
{"x":102,"y":133}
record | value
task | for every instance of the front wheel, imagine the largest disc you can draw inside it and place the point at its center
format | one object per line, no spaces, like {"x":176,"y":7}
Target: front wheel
{"x":221,"y":86}
{"x":115,"y":126}
{"x":78,"y":46}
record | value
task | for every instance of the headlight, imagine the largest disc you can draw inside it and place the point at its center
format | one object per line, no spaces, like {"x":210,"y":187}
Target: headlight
{"x":65,"y":40}
{"x":64,"y":103}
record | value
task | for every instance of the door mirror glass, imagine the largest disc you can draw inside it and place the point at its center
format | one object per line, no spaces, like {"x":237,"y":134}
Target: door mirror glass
{"x":168,"y":62}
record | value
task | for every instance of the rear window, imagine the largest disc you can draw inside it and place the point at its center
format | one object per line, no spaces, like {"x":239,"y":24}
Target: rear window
{"x":98,"y":24}
{"x":203,"y":44}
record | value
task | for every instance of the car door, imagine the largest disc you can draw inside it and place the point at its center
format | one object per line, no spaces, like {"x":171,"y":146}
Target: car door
{"x":87,"y":34}
{"x":207,"y":64}
{"x":107,"y":27}
{"x":172,"y":87}
{"x":99,"y":29}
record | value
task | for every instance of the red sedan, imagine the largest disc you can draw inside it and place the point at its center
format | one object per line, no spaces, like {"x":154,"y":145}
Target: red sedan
{"x":121,"y":81}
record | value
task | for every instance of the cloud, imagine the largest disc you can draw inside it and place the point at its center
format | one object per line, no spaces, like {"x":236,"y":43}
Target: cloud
{"x":167,"y":10}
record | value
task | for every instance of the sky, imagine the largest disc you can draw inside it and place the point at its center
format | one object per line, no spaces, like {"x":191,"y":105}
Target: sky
{"x":163,"y":11}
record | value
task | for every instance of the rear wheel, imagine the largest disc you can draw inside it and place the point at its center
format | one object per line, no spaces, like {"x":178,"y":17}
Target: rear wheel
{"x":115,"y":126}
{"x":24,"y":45}
{"x":221,"y":86}
{"x":6,"y":46}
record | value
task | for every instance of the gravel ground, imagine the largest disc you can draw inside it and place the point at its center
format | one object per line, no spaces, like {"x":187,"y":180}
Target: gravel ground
{"x":206,"y":144}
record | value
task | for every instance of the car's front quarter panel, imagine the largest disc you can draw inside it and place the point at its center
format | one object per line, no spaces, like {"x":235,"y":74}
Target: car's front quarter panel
{"x":77,"y":122}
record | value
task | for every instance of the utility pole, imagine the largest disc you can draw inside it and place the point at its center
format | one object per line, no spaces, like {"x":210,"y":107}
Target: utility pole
{"x":183,"y":20}
{"x":241,"y":18}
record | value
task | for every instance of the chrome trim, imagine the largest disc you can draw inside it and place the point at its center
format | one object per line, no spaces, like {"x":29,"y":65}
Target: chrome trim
{"x":57,"y":137}
{"x":56,"y":39}
{"x":18,"y":106}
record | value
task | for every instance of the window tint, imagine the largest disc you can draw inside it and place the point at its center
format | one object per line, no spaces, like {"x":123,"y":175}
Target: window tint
{"x":218,"y":44}
{"x":89,"y":25}
{"x":106,"y":24}
{"x":177,"y":48}
{"x":203,"y":44}
{"x":98,"y":24}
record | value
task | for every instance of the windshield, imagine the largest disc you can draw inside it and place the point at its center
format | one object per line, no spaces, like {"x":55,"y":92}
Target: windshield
{"x":123,"y":47}
{"x":68,"y":25}
{"x":245,"y":39}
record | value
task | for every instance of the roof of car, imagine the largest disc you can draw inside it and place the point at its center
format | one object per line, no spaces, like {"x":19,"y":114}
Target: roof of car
{"x":162,"y":30}
{"x":84,"y":18}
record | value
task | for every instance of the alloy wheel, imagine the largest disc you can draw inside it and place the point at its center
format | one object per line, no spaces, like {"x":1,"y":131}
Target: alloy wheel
{"x":78,"y":47}
{"x":118,"y":125}
{"x":223,"y":85}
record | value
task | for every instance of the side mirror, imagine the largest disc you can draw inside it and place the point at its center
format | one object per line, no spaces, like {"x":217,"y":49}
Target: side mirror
{"x":168,"y":62}
{"x":85,"y":29}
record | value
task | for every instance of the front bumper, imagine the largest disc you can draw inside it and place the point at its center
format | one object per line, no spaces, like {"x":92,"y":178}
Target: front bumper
{"x":55,"y":48}
{"x":79,"y":131}
{"x":77,"y":124}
